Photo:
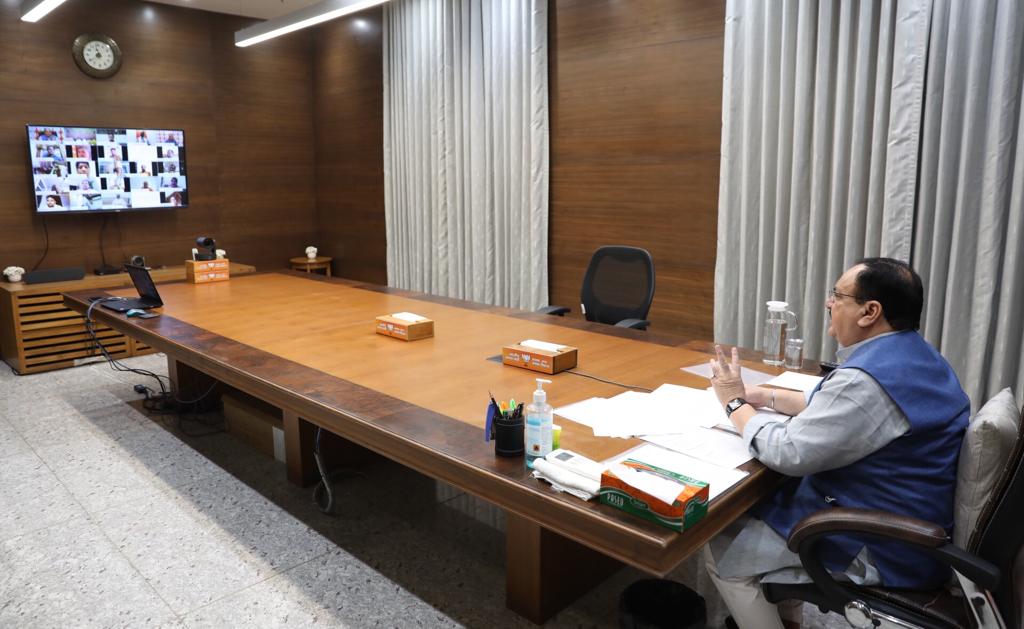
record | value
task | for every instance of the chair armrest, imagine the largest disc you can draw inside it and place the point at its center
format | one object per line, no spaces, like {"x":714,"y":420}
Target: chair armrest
{"x":880,"y":523}
{"x":636,"y":324}
{"x":554,"y":310}
{"x":925,"y":535}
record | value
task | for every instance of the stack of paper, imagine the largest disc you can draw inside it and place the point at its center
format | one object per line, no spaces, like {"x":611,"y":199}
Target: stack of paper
{"x":794,"y":380}
{"x":682,"y":419}
{"x":701,"y":405}
{"x":714,"y":446}
{"x":671,"y":409}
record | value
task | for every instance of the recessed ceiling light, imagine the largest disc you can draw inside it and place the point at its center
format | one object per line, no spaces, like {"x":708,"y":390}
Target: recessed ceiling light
{"x":309,"y":16}
{"x":34,"y":10}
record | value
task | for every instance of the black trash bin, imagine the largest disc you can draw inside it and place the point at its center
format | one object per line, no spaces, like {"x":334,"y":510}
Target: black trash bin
{"x":661,"y":604}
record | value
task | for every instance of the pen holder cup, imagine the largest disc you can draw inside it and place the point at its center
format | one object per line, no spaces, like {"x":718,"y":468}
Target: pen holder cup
{"x":508,"y":437}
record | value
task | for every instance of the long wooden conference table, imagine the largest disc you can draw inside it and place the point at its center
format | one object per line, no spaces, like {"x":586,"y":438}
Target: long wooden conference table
{"x":306,"y":344}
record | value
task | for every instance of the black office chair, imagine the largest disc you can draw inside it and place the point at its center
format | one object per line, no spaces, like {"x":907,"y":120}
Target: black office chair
{"x":618,"y":288}
{"x":993,"y":561}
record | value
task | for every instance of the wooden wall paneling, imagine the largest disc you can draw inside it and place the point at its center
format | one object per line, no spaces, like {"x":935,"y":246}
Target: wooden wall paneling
{"x":349,"y":122}
{"x":155,"y":87}
{"x":635,"y":122}
{"x":266,"y":144}
{"x":180,"y":71}
{"x":635,"y":136}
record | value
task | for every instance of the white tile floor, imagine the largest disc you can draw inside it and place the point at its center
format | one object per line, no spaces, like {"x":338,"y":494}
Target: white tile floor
{"x":109,"y":519}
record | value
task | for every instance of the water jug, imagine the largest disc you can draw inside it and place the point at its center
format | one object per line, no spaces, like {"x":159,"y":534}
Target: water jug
{"x":777,"y":325}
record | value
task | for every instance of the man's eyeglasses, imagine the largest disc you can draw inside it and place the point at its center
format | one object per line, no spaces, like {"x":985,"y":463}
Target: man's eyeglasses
{"x":833,"y":294}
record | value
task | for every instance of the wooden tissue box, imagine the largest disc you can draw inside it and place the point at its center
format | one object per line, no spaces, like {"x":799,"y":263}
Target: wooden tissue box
{"x":549,"y":358}
{"x":203,"y":271}
{"x":405,"y":325}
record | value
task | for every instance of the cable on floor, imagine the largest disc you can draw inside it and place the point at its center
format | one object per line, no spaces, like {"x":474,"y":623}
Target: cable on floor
{"x":165,"y":402}
{"x":325,"y":489}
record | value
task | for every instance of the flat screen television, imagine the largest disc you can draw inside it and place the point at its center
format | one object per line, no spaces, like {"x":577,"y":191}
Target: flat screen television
{"x":78,"y":170}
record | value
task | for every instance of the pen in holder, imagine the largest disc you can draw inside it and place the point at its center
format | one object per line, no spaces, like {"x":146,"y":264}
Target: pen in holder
{"x":506,"y":429}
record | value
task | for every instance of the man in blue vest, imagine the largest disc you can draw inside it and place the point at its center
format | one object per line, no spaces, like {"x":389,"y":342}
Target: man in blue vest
{"x":883,"y":431}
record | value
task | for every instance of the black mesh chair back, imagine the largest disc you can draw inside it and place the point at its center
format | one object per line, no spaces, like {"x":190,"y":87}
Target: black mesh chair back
{"x":999,"y":534}
{"x":619,"y":284}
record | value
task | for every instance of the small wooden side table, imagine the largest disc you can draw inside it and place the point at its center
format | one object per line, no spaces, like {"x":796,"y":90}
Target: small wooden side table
{"x":312,"y":264}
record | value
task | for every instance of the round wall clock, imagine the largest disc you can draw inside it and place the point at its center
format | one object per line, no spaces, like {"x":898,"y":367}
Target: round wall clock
{"x":97,"y":55}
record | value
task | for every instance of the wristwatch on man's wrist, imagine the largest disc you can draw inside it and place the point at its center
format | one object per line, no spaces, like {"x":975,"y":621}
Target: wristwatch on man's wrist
{"x":734,"y":404}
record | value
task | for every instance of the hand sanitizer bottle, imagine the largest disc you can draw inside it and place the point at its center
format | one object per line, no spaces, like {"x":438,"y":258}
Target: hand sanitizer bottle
{"x":538,"y":425}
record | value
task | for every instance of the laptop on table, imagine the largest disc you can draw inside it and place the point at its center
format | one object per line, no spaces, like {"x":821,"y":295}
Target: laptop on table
{"x":148,"y":297}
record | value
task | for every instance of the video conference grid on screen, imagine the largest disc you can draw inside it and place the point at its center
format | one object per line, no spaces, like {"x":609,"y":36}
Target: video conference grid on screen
{"x":81,"y":169}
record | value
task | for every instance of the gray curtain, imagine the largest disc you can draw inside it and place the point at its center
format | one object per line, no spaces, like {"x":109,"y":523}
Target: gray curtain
{"x":877,"y":128}
{"x":969,"y":233}
{"x":466,"y":149}
{"x":821,"y":111}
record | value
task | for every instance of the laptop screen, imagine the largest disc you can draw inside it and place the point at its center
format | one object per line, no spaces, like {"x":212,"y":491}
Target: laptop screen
{"x":144,"y":283}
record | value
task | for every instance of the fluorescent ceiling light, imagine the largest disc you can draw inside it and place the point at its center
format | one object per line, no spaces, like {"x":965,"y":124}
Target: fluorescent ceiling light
{"x":34,"y":10}
{"x":309,"y":16}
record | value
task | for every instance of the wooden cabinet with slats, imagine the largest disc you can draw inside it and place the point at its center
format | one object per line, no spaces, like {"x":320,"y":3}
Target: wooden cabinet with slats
{"x":37,"y":333}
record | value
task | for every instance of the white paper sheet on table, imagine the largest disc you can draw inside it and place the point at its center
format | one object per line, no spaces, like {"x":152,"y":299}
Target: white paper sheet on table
{"x":614,"y":412}
{"x":633,"y":413}
{"x":707,"y":444}
{"x":794,"y":380}
{"x":670,"y":409}
{"x":750,"y":376}
{"x":718,"y":478}
{"x":586,"y":412}
{"x":699,"y":406}
{"x":619,"y":416}
{"x":664,"y":412}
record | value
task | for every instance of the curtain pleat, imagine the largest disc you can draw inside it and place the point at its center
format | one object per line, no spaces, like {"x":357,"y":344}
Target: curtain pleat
{"x":877,"y":128}
{"x":813,"y":170}
{"x":967,"y":238}
{"x":466,"y":148}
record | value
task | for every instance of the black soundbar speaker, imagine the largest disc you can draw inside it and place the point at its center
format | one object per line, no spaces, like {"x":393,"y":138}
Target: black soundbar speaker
{"x":55,"y":275}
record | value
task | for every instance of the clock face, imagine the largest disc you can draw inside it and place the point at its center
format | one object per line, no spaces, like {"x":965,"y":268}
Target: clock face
{"x":99,"y":55}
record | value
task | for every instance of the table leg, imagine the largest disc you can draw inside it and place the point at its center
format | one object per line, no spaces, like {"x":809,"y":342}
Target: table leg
{"x":328,"y":269}
{"x":188,"y":383}
{"x":299,"y":436}
{"x":544,"y":571}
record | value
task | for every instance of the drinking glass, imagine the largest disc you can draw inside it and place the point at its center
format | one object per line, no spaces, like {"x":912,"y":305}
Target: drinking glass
{"x":794,"y":354}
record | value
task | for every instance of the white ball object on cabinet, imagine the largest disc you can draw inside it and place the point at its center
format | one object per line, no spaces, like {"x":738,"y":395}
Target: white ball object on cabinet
{"x":14,"y":273}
